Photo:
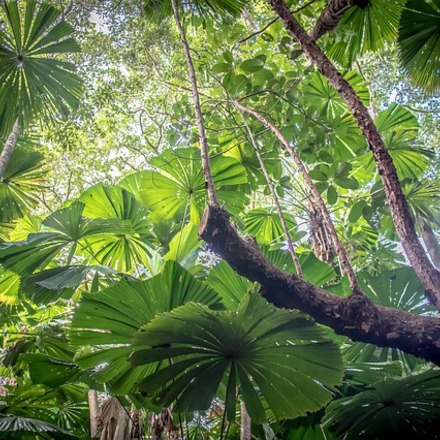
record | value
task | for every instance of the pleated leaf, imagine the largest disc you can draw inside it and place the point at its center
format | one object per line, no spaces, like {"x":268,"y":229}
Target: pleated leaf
{"x":17,"y":424}
{"x":22,"y":181}
{"x":365,"y":29}
{"x":32,"y":84}
{"x":406,"y":408}
{"x":114,"y":315}
{"x":419,"y":43}
{"x":281,"y":354}
{"x":178,"y":187}
{"x":265,"y":225}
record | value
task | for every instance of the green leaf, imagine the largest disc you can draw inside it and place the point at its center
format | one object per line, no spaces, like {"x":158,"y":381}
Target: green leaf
{"x":11,"y":423}
{"x":113,"y":315}
{"x":178,"y":187}
{"x":365,"y":29}
{"x":31,"y":83}
{"x":419,"y":43}
{"x":407,"y":407}
{"x":280,"y":352}
{"x":22,"y":182}
{"x":265,"y":225}
{"x":253,"y":65}
{"x":231,"y":286}
{"x":347,"y":183}
{"x":332,"y":195}
{"x":356,"y":211}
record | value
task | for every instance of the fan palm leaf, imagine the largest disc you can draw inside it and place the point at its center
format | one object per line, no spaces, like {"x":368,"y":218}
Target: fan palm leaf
{"x":258,"y":348}
{"x":419,"y":43}
{"x":31,"y":83}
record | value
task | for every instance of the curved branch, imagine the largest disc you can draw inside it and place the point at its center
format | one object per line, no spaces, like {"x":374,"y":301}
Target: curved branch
{"x":290,"y":246}
{"x":356,"y":316}
{"x":402,"y":219}
{"x":340,"y":250}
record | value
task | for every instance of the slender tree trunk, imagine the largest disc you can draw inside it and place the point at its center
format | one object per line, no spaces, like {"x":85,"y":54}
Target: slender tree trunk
{"x":402,"y":219}
{"x":245,"y":423}
{"x":95,"y":414}
{"x":212,"y":196}
{"x":431,"y":244}
{"x":8,"y":148}
{"x":344,"y":262}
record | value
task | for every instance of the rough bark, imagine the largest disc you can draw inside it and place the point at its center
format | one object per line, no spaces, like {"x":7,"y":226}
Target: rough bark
{"x":431,"y":244}
{"x":402,"y":219}
{"x":8,"y":148}
{"x":327,"y":21}
{"x":95,"y":414}
{"x":356,"y":316}
{"x":212,"y":196}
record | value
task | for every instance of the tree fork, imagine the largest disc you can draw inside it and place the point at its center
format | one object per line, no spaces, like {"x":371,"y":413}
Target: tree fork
{"x":400,"y":214}
{"x":356,"y":316}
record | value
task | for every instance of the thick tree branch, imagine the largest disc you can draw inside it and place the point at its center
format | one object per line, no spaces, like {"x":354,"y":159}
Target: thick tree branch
{"x":212,"y":196}
{"x":356,"y":316}
{"x":402,"y":219}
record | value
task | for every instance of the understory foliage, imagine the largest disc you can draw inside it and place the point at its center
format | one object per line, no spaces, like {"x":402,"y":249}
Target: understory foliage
{"x":105,"y":285}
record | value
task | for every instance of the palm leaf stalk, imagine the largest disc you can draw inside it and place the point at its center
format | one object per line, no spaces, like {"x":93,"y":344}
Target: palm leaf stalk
{"x":8,"y":148}
{"x":346,"y":267}
{"x":400,"y":213}
{"x":212,"y":196}
{"x":290,"y":246}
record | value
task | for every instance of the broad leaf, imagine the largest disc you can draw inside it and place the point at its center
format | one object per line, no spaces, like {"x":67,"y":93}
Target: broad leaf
{"x":265,"y":225}
{"x":407,"y":408}
{"x":419,"y":43}
{"x":22,"y":181}
{"x":365,"y":29}
{"x":178,"y":190}
{"x":279,"y":353}
{"x":113,"y":315}
{"x":30,"y":82}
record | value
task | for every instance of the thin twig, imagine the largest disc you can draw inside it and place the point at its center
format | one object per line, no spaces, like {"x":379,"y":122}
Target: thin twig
{"x":347,"y":269}
{"x":290,"y":245}
{"x":212,"y":196}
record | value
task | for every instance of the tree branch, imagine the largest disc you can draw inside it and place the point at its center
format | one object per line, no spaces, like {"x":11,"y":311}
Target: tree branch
{"x":356,"y":316}
{"x":402,"y":219}
{"x":340,"y":250}
{"x":212,"y":196}
{"x":290,"y":246}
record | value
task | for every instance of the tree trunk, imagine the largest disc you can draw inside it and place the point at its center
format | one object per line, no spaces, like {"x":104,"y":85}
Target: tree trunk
{"x":8,"y":148}
{"x":245,"y":423}
{"x":95,"y":414}
{"x":431,"y":244}
{"x":402,"y":219}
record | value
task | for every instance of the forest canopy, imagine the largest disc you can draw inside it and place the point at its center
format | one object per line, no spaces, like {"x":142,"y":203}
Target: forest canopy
{"x":219,"y":219}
